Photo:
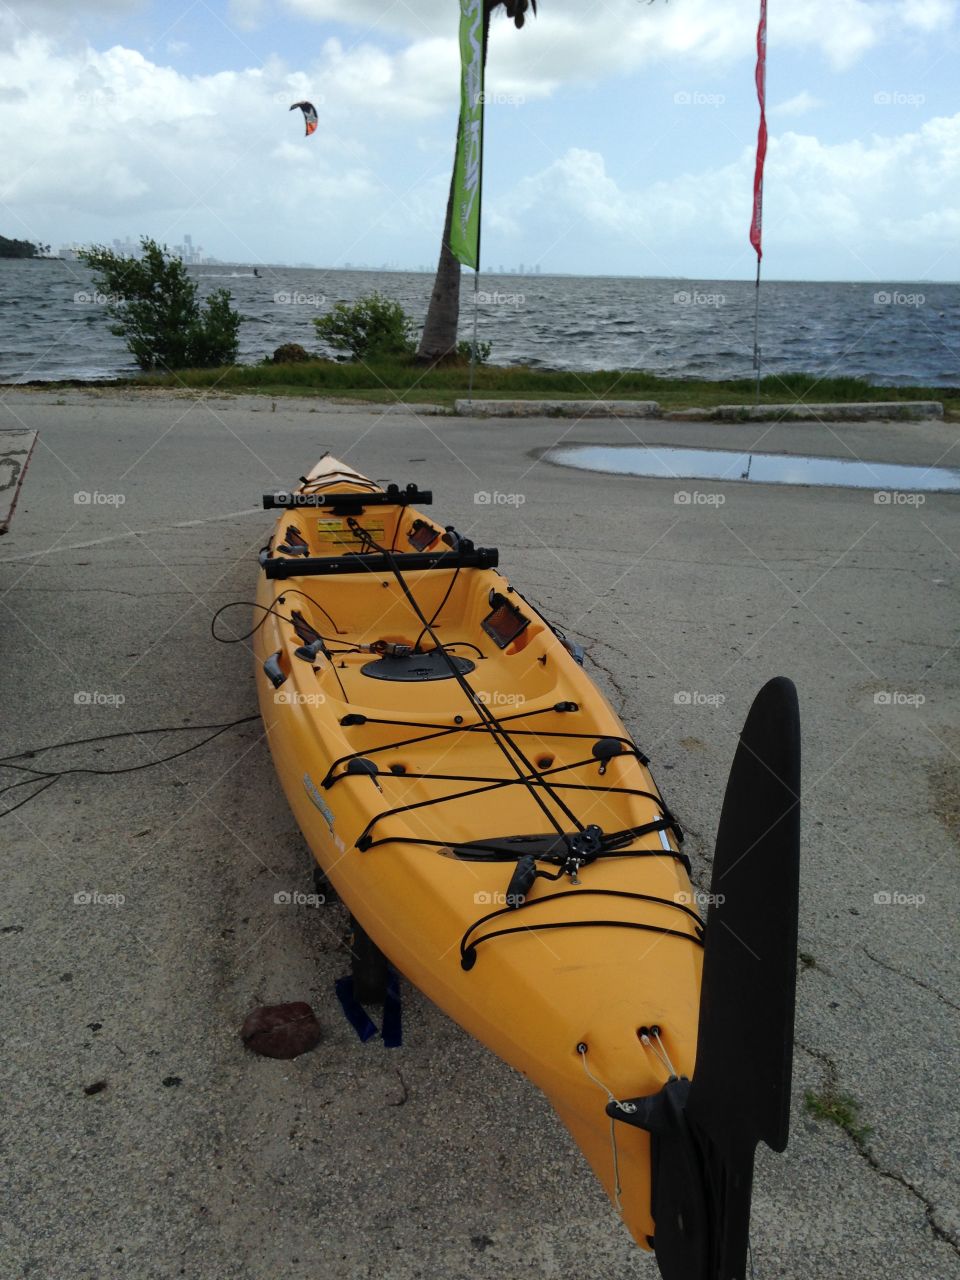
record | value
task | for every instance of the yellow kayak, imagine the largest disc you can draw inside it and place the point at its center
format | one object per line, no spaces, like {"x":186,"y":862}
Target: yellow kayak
{"x":482,"y":812}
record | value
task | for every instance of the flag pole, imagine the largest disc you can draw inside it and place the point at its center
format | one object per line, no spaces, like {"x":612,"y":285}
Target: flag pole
{"x":756,"y":329}
{"x":468,"y":168}
{"x":756,"y":224}
{"x":473,"y":349}
{"x":476,"y":269}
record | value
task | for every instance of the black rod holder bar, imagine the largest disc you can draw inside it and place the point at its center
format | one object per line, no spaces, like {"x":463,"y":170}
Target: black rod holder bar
{"x":351,"y":502}
{"x":353,"y":562}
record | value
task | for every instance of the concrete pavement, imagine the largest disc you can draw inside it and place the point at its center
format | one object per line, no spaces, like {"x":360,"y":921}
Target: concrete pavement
{"x":139,"y":517}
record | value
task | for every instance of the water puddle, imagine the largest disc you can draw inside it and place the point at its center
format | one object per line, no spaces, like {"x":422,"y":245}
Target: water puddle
{"x":765,"y":468}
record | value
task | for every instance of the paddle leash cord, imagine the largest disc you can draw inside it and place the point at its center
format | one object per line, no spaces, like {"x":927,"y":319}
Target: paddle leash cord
{"x":647,"y":1037}
{"x":50,"y":776}
{"x":582,"y":1050}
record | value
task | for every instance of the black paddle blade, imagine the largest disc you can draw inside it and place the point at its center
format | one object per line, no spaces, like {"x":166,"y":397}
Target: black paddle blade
{"x":741,"y":1081}
{"x":704,"y":1134}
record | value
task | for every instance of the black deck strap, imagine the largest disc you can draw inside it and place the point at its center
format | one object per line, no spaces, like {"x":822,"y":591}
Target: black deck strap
{"x":614,"y":845}
{"x":422,"y":841}
{"x":330,"y":778}
{"x":468,"y":949}
{"x":364,"y":842}
{"x":541,"y":773}
{"x":480,"y":726}
{"x":456,"y":728}
{"x":440,"y":731}
{"x":407,"y":776}
{"x":665,"y":822}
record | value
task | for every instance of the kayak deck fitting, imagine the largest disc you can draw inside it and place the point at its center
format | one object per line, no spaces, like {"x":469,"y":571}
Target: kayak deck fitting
{"x":489,"y":822}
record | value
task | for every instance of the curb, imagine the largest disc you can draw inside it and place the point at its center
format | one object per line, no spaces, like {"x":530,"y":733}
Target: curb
{"x":557,"y":408}
{"x":864,"y":411}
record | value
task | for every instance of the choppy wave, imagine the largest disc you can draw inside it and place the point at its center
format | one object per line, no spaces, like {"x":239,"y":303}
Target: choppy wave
{"x":53,"y":326}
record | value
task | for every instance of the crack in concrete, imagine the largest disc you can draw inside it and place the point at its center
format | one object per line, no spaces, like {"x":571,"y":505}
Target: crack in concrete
{"x":902,"y":973}
{"x":95,"y":591}
{"x":621,"y":693}
{"x":860,"y":1145}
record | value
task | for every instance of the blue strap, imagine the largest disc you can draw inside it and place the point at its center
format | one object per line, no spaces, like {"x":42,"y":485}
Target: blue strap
{"x":354,"y":1011}
{"x":392,"y":1031}
{"x":361,"y":1021}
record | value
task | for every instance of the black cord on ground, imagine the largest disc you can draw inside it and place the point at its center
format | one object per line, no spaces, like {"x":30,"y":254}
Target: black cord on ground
{"x":53,"y":775}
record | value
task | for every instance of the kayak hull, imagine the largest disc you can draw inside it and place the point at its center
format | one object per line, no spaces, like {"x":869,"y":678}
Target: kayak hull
{"x":594,"y":960}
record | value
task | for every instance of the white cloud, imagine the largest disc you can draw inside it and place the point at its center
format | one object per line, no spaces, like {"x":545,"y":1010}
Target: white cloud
{"x":927,"y":15}
{"x":158,"y":145}
{"x":137,"y":146}
{"x":844,"y":197}
{"x":799,"y":105}
{"x":246,"y":14}
{"x":567,"y":43}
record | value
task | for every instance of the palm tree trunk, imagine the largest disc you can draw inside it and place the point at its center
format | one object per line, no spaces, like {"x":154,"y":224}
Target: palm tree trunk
{"x":439,"y":336}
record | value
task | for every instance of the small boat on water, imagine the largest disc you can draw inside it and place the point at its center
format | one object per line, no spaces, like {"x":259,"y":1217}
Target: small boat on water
{"x":497,"y":834}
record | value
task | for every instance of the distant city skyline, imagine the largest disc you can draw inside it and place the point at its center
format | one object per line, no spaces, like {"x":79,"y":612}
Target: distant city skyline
{"x":130,"y":247}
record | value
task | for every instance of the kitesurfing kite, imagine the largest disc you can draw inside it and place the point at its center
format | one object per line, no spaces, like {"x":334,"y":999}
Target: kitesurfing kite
{"x":309,"y":115}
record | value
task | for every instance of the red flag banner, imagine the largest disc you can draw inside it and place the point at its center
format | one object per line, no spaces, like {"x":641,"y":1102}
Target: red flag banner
{"x":756,"y":225}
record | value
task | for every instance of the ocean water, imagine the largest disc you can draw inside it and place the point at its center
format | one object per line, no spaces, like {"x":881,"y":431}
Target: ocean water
{"x":54,"y":325}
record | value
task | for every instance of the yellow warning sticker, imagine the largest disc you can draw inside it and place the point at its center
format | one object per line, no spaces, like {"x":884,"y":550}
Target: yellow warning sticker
{"x":335,"y":535}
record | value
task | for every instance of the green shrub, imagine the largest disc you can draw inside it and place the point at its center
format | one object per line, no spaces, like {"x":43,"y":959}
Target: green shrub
{"x":465,"y":351}
{"x":155,"y":306}
{"x":372,"y":327}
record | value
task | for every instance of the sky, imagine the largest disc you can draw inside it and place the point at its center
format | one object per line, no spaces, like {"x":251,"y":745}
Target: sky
{"x":620,"y":134}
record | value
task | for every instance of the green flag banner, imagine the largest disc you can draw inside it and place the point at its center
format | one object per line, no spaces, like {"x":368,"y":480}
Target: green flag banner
{"x":465,"y":223}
